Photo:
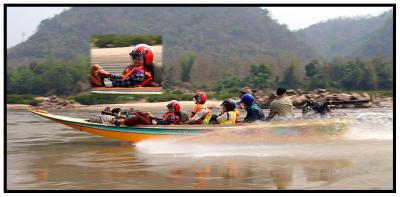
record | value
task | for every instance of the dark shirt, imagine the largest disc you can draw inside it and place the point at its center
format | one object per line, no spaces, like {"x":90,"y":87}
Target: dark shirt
{"x":254,"y":113}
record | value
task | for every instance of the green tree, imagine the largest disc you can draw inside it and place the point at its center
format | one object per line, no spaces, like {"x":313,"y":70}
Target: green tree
{"x":387,"y":77}
{"x":259,"y":76}
{"x":228,"y":83}
{"x":351,"y":75}
{"x":49,"y":77}
{"x":369,"y":79}
{"x":318,"y":81}
{"x":187,"y":62}
{"x":384,"y":73}
{"x":312,"y":69}
{"x":316,"y":78}
{"x":291,"y":76}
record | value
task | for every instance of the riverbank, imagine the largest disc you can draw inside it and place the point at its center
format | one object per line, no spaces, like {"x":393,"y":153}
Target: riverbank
{"x":96,"y":102}
{"x":185,"y":105}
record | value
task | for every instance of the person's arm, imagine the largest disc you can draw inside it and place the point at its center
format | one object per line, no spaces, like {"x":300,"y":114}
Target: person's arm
{"x":197,"y":116}
{"x":272,"y":112}
{"x":148,"y":114}
{"x":128,"y":72}
{"x":221,"y":118}
{"x":144,"y":117}
{"x":144,"y":120}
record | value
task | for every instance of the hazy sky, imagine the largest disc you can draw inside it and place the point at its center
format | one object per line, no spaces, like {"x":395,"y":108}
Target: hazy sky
{"x":302,"y":17}
{"x":22,"y":22}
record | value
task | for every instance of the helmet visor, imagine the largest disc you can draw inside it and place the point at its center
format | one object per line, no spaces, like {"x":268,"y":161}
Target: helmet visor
{"x":135,"y":54}
{"x":136,"y":58}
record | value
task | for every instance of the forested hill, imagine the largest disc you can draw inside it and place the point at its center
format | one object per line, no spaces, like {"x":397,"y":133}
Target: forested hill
{"x":364,"y":37}
{"x":223,"y":39}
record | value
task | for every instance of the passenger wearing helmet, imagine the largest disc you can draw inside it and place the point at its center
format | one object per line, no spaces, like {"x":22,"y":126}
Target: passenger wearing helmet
{"x":254,"y":112}
{"x":228,"y":114}
{"x":138,"y":74}
{"x":172,"y":116}
{"x":200,"y":114}
{"x":243,"y":91}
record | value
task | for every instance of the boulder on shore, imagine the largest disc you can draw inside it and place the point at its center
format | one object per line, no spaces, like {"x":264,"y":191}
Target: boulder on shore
{"x":300,"y":97}
{"x":57,"y":103}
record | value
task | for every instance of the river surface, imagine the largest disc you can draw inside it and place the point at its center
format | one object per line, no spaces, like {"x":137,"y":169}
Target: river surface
{"x":42,"y":154}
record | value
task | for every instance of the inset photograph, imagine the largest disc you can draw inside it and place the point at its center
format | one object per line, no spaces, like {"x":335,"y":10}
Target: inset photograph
{"x":126,"y":64}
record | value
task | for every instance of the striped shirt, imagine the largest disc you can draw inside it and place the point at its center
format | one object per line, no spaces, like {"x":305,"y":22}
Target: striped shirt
{"x":134,"y":80}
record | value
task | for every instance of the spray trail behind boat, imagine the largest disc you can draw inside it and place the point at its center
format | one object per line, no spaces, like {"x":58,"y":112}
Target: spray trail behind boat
{"x":367,"y":127}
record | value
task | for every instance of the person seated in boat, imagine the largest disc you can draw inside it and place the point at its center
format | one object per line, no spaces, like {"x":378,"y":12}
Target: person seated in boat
{"x":243,"y":91}
{"x":107,"y":116}
{"x":172,"y":116}
{"x":116,"y":112}
{"x":254,"y":112}
{"x":200,"y":114}
{"x":133,"y":117}
{"x":139,"y":74}
{"x":281,"y":106}
{"x":227,"y":115}
{"x":126,"y":113}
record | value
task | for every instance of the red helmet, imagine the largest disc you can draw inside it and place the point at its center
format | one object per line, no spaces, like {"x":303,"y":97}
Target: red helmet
{"x":175,"y":105}
{"x":200,"y":97}
{"x":145,"y":51}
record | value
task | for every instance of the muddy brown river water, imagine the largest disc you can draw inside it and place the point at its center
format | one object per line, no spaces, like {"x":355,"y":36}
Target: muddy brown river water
{"x":42,"y":154}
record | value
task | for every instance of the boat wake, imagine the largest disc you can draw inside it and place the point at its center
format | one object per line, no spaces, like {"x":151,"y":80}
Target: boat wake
{"x":371,"y":126}
{"x":366,"y":128}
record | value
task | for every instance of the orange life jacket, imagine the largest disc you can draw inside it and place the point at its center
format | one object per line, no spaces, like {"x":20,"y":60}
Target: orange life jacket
{"x":148,"y":79}
{"x":167,"y":115}
{"x":205,"y":118}
{"x":128,"y":72}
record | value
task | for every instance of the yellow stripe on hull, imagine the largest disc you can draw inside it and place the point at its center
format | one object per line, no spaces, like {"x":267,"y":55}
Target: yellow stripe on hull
{"x":130,"y":137}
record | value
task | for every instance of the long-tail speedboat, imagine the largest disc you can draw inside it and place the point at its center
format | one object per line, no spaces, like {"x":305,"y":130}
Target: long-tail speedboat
{"x":301,"y":129}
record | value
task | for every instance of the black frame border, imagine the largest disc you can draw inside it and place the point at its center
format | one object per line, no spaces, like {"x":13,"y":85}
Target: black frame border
{"x":7,"y":5}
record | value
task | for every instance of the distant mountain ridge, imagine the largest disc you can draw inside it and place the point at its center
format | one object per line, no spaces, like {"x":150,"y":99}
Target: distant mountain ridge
{"x":363,"y":37}
{"x":223,"y":39}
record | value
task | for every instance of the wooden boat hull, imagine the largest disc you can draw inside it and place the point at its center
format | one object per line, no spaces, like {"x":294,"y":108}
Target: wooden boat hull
{"x":296,"y":129}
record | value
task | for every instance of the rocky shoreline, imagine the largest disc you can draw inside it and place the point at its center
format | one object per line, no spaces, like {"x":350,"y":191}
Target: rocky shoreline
{"x":53,"y":102}
{"x":298,"y":97}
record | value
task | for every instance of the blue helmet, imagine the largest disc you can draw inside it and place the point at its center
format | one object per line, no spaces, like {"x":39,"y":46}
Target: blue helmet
{"x":247,"y":99}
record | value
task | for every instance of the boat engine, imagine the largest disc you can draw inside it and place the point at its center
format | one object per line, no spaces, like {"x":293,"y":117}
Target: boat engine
{"x":326,"y":107}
